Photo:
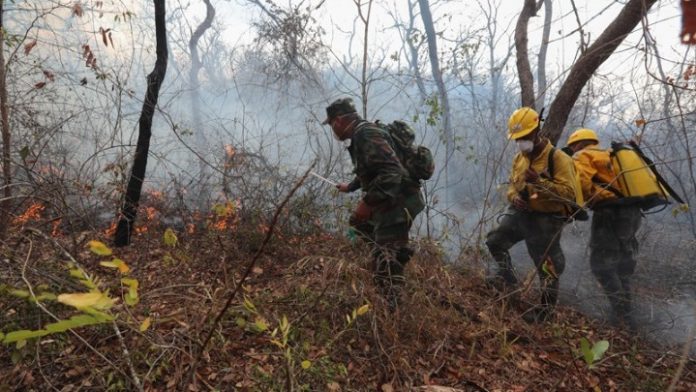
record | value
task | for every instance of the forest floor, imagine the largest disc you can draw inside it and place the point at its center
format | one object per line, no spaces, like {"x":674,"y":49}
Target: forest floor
{"x":307,"y":318}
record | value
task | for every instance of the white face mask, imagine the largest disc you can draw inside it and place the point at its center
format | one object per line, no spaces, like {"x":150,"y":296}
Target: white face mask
{"x":525,"y":146}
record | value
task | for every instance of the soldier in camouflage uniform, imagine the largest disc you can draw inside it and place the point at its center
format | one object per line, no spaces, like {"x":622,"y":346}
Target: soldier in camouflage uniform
{"x":537,"y":211}
{"x":390,"y":201}
{"x":613,"y":240}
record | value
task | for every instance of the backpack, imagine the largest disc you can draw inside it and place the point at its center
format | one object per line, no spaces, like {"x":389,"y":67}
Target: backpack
{"x":417,"y":160}
{"x":638,"y":181}
{"x":576,"y":209}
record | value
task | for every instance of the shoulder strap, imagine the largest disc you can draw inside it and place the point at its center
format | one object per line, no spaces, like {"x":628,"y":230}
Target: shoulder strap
{"x":550,"y":163}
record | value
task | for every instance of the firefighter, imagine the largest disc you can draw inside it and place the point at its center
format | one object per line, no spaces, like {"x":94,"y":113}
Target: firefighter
{"x":390,"y":199}
{"x":537,"y":213}
{"x":613,"y":241}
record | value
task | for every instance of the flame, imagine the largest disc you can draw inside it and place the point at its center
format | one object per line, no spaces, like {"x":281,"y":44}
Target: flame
{"x":150,"y":213}
{"x":141,"y":230}
{"x":32,"y":213}
{"x":111,"y":230}
{"x":220,"y":225}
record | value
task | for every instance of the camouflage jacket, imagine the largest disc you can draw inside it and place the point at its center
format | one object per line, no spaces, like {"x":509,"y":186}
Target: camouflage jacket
{"x":376,"y":166}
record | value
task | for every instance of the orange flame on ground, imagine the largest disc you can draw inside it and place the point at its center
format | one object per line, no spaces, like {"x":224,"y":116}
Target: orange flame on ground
{"x":220,"y":225}
{"x":111,"y":230}
{"x":32,"y":213}
{"x":150,"y":213}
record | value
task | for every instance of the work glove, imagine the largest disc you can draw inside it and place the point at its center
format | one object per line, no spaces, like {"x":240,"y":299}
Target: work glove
{"x":531,"y":176}
{"x":519,"y":203}
{"x":342,"y":187}
{"x":362,"y":214}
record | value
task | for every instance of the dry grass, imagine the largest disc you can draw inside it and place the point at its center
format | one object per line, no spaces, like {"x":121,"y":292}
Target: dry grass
{"x":449,"y":329}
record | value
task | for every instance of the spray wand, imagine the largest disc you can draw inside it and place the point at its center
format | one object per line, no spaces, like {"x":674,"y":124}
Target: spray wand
{"x":323,"y":178}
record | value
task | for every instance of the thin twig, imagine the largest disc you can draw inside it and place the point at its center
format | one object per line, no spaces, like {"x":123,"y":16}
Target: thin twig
{"x":238,"y":286}
{"x":126,"y":355}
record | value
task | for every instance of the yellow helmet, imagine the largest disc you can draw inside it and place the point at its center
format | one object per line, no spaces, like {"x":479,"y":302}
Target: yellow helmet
{"x":522,"y":122}
{"x":582,"y":134}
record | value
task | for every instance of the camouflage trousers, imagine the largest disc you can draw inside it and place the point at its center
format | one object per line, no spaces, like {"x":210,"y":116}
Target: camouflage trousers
{"x":613,"y":246}
{"x":541,"y":233}
{"x":387,"y":234}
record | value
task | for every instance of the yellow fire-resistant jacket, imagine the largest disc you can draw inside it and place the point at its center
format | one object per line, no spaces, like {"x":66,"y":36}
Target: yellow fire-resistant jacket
{"x":593,"y":163}
{"x":547,"y":195}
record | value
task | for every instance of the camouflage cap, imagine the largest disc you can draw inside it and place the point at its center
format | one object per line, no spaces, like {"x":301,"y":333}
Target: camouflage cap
{"x":339,"y":107}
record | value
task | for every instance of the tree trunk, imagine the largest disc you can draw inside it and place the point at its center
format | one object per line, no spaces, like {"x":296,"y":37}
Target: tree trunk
{"x":202,"y":193}
{"x":5,"y":117}
{"x":364,"y":83}
{"x":439,"y":81}
{"x":541,"y":66}
{"x":129,"y":210}
{"x":589,"y":62}
{"x":413,"y":51}
{"x":524,"y":70}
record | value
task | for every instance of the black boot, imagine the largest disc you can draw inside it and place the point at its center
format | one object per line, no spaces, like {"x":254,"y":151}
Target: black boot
{"x":504,"y":279}
{"x":549,"y":298}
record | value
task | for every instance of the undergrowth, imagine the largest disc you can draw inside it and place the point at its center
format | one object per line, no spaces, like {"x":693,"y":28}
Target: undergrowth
{"x":308,"y":319}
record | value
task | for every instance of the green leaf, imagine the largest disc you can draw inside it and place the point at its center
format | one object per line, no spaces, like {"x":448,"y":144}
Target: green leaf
{"x":248,"y":305}
{"x":168,"y":260}
{"x":587,"y":353}
{"x":77,"y":321}
{"x":170,"y":238}
{"x":77,"y":273}
{"x":260,"y":325}
{"x":93,"y":299}
{"x":599,"y":349}
{"x":24,"y":334}
{"x":132,"y":295}
{"x":145,"y":324}
{"x":20,"y":293}
{"x":363,"y":309}
{"x":116,"y":263}
{"x":99,"y":248}
{"x":46,"y":296}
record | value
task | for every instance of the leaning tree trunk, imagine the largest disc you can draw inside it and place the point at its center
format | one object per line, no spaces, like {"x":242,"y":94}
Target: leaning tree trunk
{"x":589,"y":62}
{"x":6,"y":168}
{"x":135,"y":182}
